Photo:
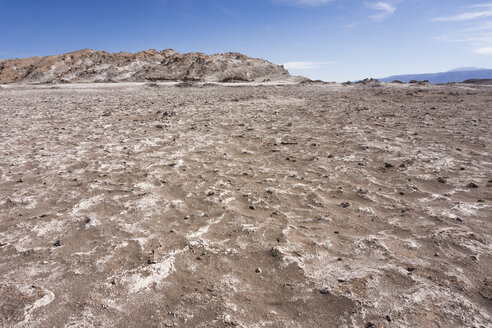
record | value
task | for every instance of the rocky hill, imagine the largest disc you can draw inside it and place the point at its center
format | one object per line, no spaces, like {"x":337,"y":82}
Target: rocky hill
{"x":168,"y":65}
{"x":478,"y":81}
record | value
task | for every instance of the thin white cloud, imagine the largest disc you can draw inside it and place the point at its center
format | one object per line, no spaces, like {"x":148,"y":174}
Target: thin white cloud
{"x":473,"y":28}
{"x":385,"y":9}
{"x":304,"y":65}
{"x":482,"y":5}
{"x":350,"y":27}
{"x":484,"y":51}
{"x":486,"y":12}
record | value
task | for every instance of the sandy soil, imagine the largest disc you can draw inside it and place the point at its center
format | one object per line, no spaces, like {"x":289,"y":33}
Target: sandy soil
{"x":255,"y":206}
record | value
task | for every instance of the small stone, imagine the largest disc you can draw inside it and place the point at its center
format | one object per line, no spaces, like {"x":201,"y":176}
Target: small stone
{"x":388,"y":165}
{"x":336,"y":232}
{"x":459,"y":219}
{"x":57,"y":243}
{"x":441,"y":180}
{"x":370,"y":325}
{"x":410,"y":269}
{"x":472,"y":185}
{"x":344,"y":204}
{"x":187,"y":217}
{"x":341,"y":280}
{"x":151,"y":259}
{"x":325,"y":290}
{"x":251,"y":207}
{"x":402,"y":166}
{"x":258,"y":270}
{"x":275,"y":252}
{"x":388,"y":318}
{"x":339,"y":259}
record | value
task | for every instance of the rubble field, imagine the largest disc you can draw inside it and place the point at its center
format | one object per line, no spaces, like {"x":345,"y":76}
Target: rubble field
{"x":206,"y":205}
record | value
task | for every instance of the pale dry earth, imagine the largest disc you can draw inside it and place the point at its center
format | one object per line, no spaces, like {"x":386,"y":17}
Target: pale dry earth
{"x":134,"y":205}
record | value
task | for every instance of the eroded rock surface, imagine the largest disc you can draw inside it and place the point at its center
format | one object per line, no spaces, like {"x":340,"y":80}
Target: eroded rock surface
{"x":168,"y":65}
{"x":257,"y":206}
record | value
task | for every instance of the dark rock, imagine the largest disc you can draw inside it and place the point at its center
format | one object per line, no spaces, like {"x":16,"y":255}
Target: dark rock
{"x":258,"y":270}
{"x":459,"y":219}
{"x":370,"y":325}
{"x":441,"y":180}
{"x":388,"y":318}
{"x":57,"y":243}
{"x":369,"y":82}
{"x":275,"y":252}
{"x":325,"y":290}
{"x":410,"y":269}
{"x":251,"y":207}
{"x":344,"y":204}
{"x":388,"y":165}
{"x":151,"y":259}
{"x":472,"y":185}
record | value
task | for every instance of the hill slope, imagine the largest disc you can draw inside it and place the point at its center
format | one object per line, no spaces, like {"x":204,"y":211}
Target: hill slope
{"x":168,"y":65}
{"x":443,"y":77}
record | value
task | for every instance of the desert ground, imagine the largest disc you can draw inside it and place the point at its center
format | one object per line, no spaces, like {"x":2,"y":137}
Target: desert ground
{"x":313,"y":205}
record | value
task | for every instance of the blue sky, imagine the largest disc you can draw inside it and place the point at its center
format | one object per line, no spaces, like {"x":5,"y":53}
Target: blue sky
{"x":333,"y":40}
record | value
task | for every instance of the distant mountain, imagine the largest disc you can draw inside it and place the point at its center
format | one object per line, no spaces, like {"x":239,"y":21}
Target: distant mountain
{"x":168,"y":65}
{"x":456,"y":75}
{"x":461,"y":69}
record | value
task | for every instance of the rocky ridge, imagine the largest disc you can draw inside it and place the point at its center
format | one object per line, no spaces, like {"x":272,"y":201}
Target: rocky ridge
{"x":168,"y":65}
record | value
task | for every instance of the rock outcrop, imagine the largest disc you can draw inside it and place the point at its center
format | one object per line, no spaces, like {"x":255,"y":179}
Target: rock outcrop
{"x":168,"y":65}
